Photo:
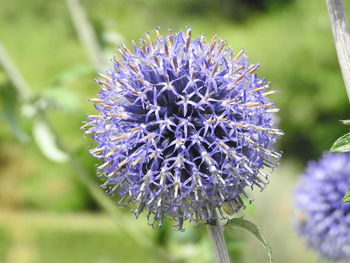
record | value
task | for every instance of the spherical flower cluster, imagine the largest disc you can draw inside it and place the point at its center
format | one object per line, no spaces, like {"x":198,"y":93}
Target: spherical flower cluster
{"x":322,"y":219}
{"x":184,"y":126}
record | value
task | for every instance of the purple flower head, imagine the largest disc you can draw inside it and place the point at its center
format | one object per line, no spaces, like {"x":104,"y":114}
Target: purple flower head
{"x":184,"y":126}
{"x":323,"y":220}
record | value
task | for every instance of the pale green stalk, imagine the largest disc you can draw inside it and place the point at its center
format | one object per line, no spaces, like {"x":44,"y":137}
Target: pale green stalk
{"x":217,"y":239}
{"x":341,"y":38}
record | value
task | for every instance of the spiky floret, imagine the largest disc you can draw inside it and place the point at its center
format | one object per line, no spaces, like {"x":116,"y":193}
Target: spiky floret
{"x":322,"y":219}
{"x":184,"y":126}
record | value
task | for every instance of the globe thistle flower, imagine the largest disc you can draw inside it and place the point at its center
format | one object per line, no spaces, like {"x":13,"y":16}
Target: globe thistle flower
{"x":184,"y":126}
{"x":323,"y":220}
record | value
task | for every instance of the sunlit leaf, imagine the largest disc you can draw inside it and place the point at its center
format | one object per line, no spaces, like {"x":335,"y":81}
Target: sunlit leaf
{"x":46,"y":141}
{"x":346,"y":198}
{"x":62,"y":98}
{"x":74,"y":73}
{"x":252,"y":228}
{"x":60,"y":95}
{"x":342,"y":144}
{"x":345,"y":122}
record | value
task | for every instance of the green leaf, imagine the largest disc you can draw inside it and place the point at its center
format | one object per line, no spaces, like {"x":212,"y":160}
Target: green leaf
{"x":342,"y":144}
{"x":62,"y":98}
{"x":47,"y":143}
{"x":346,"y":198}
{"x":252,"y":228}
{"x":345,"y":122}
{"x":73,"y":73}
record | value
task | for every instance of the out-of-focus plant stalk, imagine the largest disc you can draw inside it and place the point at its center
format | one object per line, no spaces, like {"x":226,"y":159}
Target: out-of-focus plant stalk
{"x":341,"y":38}
{"x":217,"y":239}
{"x":86,"y":33}
{"x":16,"y":78}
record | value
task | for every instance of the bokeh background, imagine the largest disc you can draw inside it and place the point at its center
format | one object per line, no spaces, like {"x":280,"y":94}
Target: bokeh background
{"x":51,"y":206}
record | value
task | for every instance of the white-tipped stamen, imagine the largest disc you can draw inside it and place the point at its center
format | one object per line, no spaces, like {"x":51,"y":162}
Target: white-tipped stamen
{"x":236,"y":70}
{"x":96,"y":100}
{"x":106,"y":84}
{"x":104,"y":165}
{"x":87,"y":124}
{"x":212,"y":43}
{"x":239,"y":54}
{"x":121,"y":137}
{"x":105,"y":77}
{"x":273,"y":110}
{"x":269,"y":93}
{"x":95,"y":116}
{"x":252,"y":104}
{"x":257,"y":89}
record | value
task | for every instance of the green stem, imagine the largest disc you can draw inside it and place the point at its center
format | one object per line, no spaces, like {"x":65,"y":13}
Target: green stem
{"x":217,"y":239}
{"x":341,"y":38}
{"x":86,"y":33}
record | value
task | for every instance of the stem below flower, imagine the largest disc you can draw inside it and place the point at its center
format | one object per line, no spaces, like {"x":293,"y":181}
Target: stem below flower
{"x":341,"y":38}
{"x":216,"y":234}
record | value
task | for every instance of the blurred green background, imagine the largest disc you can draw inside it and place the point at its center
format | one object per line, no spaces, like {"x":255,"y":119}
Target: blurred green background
{"x":51,"y":207}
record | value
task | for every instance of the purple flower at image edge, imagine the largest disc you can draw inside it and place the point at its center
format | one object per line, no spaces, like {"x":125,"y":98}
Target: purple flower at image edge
{"x":184,"y":126}
{"x":322,"y":219}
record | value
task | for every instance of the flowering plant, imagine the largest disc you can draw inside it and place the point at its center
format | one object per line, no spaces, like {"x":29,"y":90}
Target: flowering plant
{"x":184,"y":126}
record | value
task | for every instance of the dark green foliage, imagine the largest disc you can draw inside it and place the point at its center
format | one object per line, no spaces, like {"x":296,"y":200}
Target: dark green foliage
{"x":342,"y":144}
{"x":236,"y":10}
